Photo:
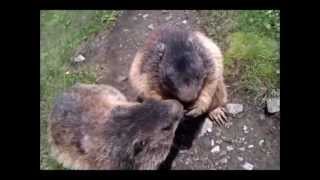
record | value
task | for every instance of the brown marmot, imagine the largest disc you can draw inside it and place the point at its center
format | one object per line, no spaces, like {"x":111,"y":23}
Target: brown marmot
{"x":95,"y":127}
{"x":183,"y":65}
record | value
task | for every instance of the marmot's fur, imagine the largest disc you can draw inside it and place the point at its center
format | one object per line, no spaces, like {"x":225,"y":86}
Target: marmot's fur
{"x":95,"y":127}
{"x":182,"y":65}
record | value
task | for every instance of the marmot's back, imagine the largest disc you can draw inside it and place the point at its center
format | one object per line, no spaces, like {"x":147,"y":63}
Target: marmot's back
{"x":77,"y":113}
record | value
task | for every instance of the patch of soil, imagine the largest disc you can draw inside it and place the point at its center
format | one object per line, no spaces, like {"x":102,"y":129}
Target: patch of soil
{"x":112,"y":51}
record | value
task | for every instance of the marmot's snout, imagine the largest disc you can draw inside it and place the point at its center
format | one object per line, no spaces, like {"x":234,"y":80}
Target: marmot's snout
{"x":176,"y":108}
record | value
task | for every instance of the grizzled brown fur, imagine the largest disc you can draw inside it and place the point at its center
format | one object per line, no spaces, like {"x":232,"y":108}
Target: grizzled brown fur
{"x":183,"y":65}
{"x":95,"y":127}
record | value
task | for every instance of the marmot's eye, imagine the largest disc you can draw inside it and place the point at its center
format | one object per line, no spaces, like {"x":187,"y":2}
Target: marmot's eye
{"x":167,"y":128}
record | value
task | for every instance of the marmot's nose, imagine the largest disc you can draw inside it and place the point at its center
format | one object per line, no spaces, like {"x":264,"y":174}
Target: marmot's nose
{"x":176,"y":106}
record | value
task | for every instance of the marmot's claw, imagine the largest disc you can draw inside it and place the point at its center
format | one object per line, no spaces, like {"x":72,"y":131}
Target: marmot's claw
{"x":218,"y":115}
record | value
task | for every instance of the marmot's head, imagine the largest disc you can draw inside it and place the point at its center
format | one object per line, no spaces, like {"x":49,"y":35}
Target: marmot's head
{"x":146,"y":131}
{"x":182,"y":71}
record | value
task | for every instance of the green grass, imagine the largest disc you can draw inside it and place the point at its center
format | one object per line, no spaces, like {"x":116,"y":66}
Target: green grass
{"x":61,"y":33}
{"x":258,"y":58}
{"x":252,"y":50}
{"x":260,"y":22}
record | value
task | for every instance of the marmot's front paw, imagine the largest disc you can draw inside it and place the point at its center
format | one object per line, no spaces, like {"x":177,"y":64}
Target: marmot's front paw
{"x":218,"y":115}
{"x":195,"y":111}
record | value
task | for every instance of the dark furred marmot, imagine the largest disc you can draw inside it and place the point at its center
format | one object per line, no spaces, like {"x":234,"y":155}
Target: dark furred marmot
{"x":183,"y":65}
{"x":95,"y":127}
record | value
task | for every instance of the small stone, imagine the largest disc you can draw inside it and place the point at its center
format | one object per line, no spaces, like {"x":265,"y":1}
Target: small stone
{"x":67,"y":72}
{"x":245,"y":129}
{"x":215,"y":149}
{"x":219,"y":141}
{"x":247,"y":166}
{"x":234,"y":108}
{"x":151,"y":27}
{"x":79,"y":58}
{"x":242,"y":149}
{"x":145,"y":16}
{"x":240,"y":158}
{"x":261,"y":142}
{"x":273,"y":105}
{"x":120,"y":45}
{"x":229,"y":148}
{"x":168,"y":18}
{"x":184,"y":21}
{"x":262,"y":117}
{"x":206,"y":127}
{"x":223,"y":153}
{"x":125,"y":30}
{"x":278,"y":71}
{"x":212,"y":142}
{"x":164,"y":11}
{"x":226,"y":139}
{"x":187,"y":161}
{"x":135,"y":18}
{"x":224,"y":160}
{"x":250,"y":146}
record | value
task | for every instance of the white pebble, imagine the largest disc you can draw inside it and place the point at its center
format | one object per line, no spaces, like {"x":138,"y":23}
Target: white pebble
{"x":224,"y":160}
{"x":251,"y":146}
{"x":229,"y":148}
{"x":242,"y":149}
{"x":184,"y":21}
{"x":219,"y":141}
{"x":151,"y":26}
{"x":79,"y":58}
{"x":67,"y":72}
{"x":212,"y":142}
{"x":245,"y":129}
{"x":168,"y":18}
{"x":145,"y":16}
{"x":261,"y":142}
{"x":247,"y":166}
{"x":215,"y":149}
{"x":234,"y":108}
{"x":240,"y":158}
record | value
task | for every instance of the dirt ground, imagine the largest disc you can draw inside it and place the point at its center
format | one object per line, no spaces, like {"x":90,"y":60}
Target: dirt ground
{"x":259,"y":144}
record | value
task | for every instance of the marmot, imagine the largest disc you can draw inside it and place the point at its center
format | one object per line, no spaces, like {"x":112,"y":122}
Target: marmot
{"x":95,"y":127}
{"x":183,"y":65}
